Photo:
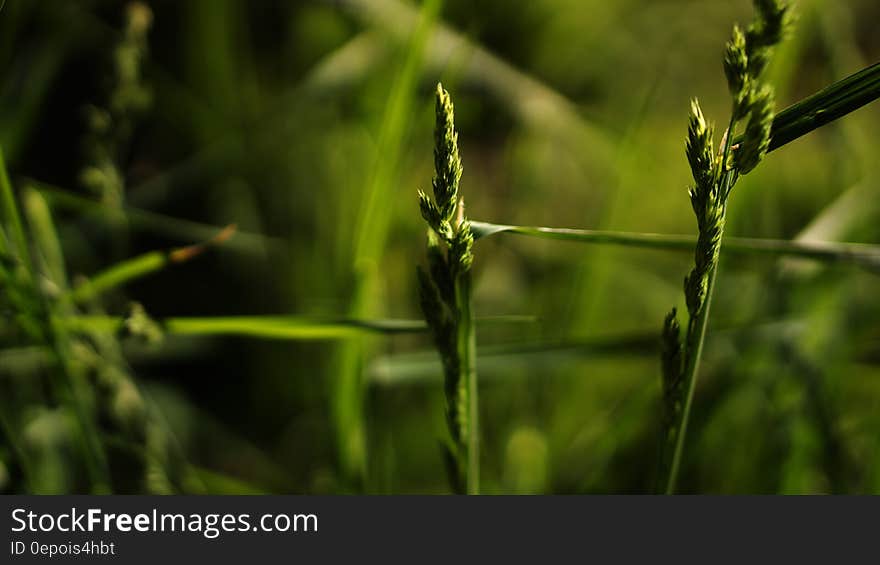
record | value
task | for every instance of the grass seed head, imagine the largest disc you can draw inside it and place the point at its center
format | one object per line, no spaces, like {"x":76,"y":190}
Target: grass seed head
{"x":447,"y":161}
{"x":699,"y":148}
{"x":671,"y":353}
{"x":771,"y":21}
{"x":736,"y":69}
{"x":445,"y":295}
{"x":757,"y":135}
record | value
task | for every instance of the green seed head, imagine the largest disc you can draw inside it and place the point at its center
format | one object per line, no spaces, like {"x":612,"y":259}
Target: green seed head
{"x":671,"y":354}
{"x":461,"y":248}
{"x":447,"y":162}
{"x":766,"y":31}
{"x":434,"y":217}
{"x":736,"y":62}
{"x":736,"y":69}
{"x":433,"y":306}
{"x":699,"y":148}
{"x":773,"y":19}
{"x":444,"y":288}
{"x":709,"y":209}
{"x":140,"y":325}
{"x":445,"y":215}
{"x":756,"y":140}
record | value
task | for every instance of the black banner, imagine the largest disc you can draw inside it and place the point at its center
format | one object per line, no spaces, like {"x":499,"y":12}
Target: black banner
{"x":232,"y":529}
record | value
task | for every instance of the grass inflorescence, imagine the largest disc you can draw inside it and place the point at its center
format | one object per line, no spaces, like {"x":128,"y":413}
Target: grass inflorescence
{"x":445,"y":291}
{"x":715,"y":173}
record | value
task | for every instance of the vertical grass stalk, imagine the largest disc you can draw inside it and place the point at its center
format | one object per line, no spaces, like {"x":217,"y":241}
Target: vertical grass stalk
{"x":467,"y":355}
{"x":445,"y":294}
{"x":746,"y":56}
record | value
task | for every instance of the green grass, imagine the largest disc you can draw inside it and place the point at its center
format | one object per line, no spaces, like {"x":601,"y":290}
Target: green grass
{"x":446,"y":296}
{"x":715,"y":175}
{"x":371,"y":228}
{"x":146,"y":348}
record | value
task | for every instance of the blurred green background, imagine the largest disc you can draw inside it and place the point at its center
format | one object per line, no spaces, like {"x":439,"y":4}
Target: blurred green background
{"x":288,"y":117}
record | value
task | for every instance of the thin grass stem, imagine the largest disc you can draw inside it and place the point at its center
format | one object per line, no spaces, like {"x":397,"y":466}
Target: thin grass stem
{"x":292,"y":328}
{"x":467,"y":358}
{"x":863,"y":254}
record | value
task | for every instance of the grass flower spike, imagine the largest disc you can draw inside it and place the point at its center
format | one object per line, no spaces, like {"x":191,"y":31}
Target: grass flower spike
{"x":445,"y":291}
{"x":745,"y":57}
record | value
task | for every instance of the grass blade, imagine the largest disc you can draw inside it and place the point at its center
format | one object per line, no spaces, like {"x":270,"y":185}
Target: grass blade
{"x":863,"y":254}
{"x":11,"y":216}
{"x":372,"y":226}
{"x":832,"y":102}
{"x":267,"y":327}
{"x":143,"y":265}
{"x":273,"y":327}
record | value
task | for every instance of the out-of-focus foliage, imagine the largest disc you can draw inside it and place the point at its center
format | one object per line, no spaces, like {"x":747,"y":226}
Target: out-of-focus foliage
{"x":270,"y":114}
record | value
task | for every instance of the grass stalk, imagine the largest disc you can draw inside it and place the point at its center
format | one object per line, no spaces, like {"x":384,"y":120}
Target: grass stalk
{"x":445,"y":294}
{"x":467,"y":357}
{"x":745,"y":58}
{"x":70,"y":385}
{"x":694,"y":347}
{"x":696,"y":334}
{"x":21,"y":285}
{"x":271,"y":327}
{"x":265,"y":327}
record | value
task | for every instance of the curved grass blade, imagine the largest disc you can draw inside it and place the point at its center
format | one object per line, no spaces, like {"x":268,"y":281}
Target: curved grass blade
{"x":143,"y":265}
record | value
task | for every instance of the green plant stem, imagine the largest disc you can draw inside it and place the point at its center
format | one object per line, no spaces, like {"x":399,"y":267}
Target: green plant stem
{"x":271,"y":327}
{"x":268,"y":327}
{"x":71,"y":379}
{"x":696,"y":332}
{"x":119,"y":274}
{"x":863,"y":254}
{"x":11,"y":216}
{"x":694,"y":347}
{"x":467,"y":359}
{"x":64,"y":382}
